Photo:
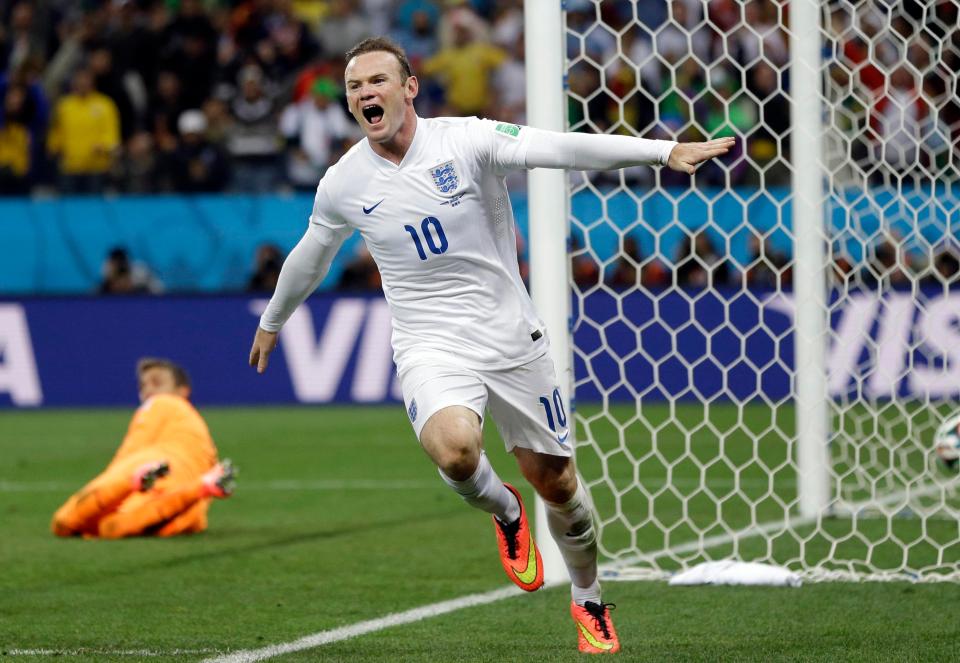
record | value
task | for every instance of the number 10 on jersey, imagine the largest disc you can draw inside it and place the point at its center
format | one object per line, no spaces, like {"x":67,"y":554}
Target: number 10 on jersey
{"x":429,"y":227}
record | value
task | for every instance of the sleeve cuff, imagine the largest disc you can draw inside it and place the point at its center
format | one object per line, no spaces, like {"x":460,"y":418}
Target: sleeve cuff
{"x":666,"y":147}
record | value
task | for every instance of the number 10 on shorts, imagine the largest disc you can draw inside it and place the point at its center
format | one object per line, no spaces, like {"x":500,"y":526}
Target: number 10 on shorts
{"x":555,"y":406}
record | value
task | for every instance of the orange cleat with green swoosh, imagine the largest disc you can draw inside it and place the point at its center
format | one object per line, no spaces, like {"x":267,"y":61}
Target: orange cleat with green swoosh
{"x":595,"y":632}
{"x":518,"y":551}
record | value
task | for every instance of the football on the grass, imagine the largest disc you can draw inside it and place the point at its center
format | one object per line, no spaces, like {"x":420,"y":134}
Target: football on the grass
{"x":947,"y":442}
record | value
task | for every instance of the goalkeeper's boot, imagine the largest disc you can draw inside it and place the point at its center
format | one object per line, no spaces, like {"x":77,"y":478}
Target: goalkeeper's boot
{"x":220,"y":480}
{"x":595,"y":632}
{"x":147,"y":474}
{"x":518,"y":551}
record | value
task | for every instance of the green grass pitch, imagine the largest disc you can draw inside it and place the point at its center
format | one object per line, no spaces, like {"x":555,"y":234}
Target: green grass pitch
{"x":340,"y":518}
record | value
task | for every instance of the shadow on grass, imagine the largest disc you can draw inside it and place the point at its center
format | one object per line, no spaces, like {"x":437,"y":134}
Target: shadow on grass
{"x":222,"y":536}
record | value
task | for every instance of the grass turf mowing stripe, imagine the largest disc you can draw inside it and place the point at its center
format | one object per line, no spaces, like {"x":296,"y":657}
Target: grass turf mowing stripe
{"x":278,"y":485}
{"x":436,"y":609}
{"x":414,"y":615}
{"x":378,"y":484}
{"x":369,"y":626}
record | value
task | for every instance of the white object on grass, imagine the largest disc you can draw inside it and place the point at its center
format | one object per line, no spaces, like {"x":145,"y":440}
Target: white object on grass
{"x":730,"y":572}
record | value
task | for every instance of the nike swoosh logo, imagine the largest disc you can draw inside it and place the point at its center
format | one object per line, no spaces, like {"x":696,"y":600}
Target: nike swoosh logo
{"x":563,"y":438}
{"x":529,"y":574}
{"x":585,"y":632}
{"x":369,"y":210}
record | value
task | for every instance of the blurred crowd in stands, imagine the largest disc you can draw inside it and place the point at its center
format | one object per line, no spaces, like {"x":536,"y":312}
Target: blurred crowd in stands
{"x":146,"y":96}
{"x":689,"y":70}
{"x":246,"y":95}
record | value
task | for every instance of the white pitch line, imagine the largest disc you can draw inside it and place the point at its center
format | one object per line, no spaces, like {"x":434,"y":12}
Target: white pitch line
{"x":340,"y":484}
{"x":35,"y":486}
{"x":82,"y":651}
{"x":277,"y":485}
{"x":8,"y":486}
{"x":369,"y":626}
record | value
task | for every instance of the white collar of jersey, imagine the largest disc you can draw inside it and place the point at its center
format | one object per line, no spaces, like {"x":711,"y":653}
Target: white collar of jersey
{"x":389,"y":166}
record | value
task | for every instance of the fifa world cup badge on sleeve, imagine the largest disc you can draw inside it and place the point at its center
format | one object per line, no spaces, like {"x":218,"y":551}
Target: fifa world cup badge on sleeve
{"x":511,"y":130}
{"x":445,"y":177}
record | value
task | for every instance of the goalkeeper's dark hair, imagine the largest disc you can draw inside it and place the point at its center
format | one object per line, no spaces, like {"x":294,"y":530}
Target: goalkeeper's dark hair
{"x":385,"y":45}
{"x":180,"y":376}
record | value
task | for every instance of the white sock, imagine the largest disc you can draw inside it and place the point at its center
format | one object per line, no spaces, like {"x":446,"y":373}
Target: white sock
{"x":571,"y":525}
{"x":485,"y":491}
{"x":583,"y":594}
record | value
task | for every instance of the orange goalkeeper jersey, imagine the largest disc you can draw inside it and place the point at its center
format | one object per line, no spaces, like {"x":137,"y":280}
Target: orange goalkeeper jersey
{"x":171,"y":425}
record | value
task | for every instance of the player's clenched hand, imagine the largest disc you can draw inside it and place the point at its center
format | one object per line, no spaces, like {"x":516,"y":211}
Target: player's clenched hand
{"x":685,"y":156}
{"x":263,"y":344}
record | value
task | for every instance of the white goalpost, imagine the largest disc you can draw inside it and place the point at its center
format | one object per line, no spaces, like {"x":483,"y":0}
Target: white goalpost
{"x":549,"y":210}
{"x":762,"y":352}
{"x":810,"y":268}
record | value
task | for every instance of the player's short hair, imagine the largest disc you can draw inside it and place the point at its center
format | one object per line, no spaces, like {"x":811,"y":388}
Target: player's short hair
{"x":386,"y":45}
{"x":180,"y":376}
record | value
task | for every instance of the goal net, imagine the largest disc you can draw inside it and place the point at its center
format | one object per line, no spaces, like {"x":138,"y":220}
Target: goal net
{"x":687,"y":314}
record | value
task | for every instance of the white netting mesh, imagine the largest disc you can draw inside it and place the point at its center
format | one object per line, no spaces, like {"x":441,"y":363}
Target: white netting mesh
{"x":683,"y":342}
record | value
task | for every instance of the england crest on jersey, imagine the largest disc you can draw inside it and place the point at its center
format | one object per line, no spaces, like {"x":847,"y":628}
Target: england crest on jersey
{"x":445,"y":177}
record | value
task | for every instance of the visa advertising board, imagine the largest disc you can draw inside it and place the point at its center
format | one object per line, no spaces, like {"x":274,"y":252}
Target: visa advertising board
{"x":336,"y":349}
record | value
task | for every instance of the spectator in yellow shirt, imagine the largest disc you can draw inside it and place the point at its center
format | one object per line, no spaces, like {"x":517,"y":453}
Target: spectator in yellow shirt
{"x":465,"y":71}
{"x":84,"y":136}
{"x":14,"y":143}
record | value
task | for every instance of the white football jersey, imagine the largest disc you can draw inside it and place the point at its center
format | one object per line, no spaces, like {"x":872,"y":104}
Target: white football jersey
{"x":441,"y":229}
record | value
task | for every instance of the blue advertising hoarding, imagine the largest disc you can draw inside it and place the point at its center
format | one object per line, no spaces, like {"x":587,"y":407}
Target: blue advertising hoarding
{"x":687,"y":345}
{"x":206,"y":243}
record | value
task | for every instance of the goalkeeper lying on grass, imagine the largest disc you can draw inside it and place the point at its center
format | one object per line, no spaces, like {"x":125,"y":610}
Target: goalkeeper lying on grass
{"x":164,"y":474}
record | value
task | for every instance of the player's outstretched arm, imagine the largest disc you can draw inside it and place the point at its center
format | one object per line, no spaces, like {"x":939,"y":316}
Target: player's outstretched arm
{"x":264,"y":343}
{"x":580,"y":151}
{"x":685,"y":156}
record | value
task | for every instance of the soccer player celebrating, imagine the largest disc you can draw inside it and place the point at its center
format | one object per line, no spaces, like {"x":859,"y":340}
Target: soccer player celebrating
{"x":162,"y":477}
{"x":429,"y":198}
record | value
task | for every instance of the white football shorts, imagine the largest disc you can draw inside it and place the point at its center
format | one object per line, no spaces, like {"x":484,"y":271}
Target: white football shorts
{"x":524,"y":401}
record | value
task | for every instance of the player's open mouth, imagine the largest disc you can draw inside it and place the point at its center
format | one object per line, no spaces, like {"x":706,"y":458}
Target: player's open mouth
{"x":372,"y":113}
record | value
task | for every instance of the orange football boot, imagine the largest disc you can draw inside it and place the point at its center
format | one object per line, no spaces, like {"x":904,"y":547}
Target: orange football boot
{"x":595,"y":632}
{"x":220,"y":480}
{"x":147,"y":474}
{"x":518,"y":551}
